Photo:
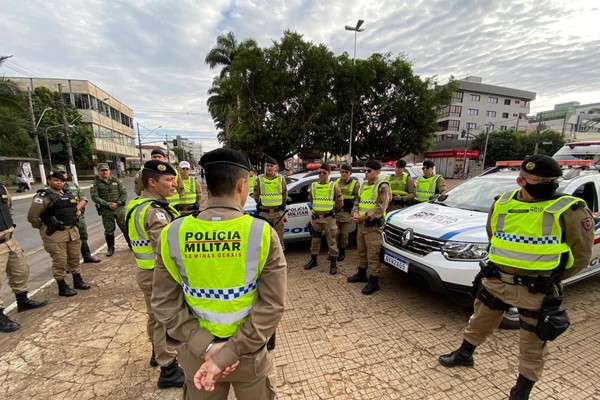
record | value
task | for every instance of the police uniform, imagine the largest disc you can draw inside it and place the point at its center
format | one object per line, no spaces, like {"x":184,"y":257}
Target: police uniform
{"x":270,"y":195}
{"x":54,"y":213}
{"x":198,"y":315}
{"x":76,"y":191}
{"x":343,"y":217}
{"x":189,"y":200}
{"x":14,"y":263}
{"x":371,"y":203}
{"x":147,"y":216}
{"x":103,"y":193}
{"x":402,"y":188}
{"x":535,"y":242}
{"x":427,"y":187}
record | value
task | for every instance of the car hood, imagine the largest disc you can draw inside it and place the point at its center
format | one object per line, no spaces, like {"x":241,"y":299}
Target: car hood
{"x":441,"y":222}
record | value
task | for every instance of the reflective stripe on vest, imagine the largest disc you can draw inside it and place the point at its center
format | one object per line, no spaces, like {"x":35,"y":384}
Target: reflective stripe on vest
{"x":529,"y":235}
{"x":398,"y":184}
{"x":347,"y":188}
{"x":140,"y":242}
{"x":368,"y":196}
{"x":271,"y":191}
{"x":425,"y":187}
{"x":251,"y":184}
{"x":174,"y":199}
{"x":322,"y":196}
{"x":218,"y":264}
{"x":190,"y":191}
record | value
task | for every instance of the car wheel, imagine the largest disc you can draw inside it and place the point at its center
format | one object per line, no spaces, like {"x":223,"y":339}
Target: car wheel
{"x":510,"y":319}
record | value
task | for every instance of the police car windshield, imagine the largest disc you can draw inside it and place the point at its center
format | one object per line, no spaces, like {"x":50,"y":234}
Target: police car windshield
{"x":478,"y":194}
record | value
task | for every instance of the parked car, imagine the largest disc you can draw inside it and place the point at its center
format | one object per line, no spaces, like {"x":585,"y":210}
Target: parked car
{"x":442,"y":241}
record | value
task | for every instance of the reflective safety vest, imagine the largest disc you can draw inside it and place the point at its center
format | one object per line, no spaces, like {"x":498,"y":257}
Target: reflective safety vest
{"x":190,"y":191}
{"x":425,"y":188}
{"x":347,"y":188}
{"x":529,"y":235}
{"x":251,"y":184}
{"x":323,"y":196}
{"x":218,"y":264}
{"x":174,"y":199}
{"x":271,"y":190}
{"x":398,"y":184}
{"x":368,"y":196}
{"x":140,"y":240}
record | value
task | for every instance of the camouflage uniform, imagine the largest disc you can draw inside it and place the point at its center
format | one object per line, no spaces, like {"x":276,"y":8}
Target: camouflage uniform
{"x":105,"y":192}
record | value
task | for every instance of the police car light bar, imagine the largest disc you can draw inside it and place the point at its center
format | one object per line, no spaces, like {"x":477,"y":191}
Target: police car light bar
{"x":572,"y":163}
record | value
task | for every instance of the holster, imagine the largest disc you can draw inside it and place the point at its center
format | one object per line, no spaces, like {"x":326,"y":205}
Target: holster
{"x":378,"y":222}
{"x":553,"y":321}
{"x":271,"y":342}
{"x":98,"y":209}
{"x":312,"y":232}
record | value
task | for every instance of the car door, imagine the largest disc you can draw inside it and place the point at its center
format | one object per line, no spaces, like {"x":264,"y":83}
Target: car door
{"x":297,"y":214}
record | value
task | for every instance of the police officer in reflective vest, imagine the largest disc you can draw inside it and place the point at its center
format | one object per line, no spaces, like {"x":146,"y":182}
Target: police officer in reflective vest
{"x":219,"y":288}
{"x":429,"y":184}
{"x":349,"y":187}
{"x":14,"y":263}
{"x":537,"y":238}
{"x":402,"y":187}
{"x":147,"y":215}
{"x":325,"y":198}
{"x":251,"y":182}
{"x":54,"y":212}
{"x":190,"y":200}
{"x":369,"y":213}
{"x":270,"y":194}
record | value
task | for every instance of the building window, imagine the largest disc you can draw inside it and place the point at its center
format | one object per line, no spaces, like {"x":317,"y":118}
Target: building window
{"x":471,"y":126}
{"x":457,"y":97}
{"x":475,"y":97}
{"x":507,"y":102}
{"x":516,"y":115}
{"x":490,"y":113}
{"x":503,"y":127}
{"x":517,"y":102}
{"x":473,"y":111}
{"x":449,"y":125}
{"x":504,"y":115}
{"x":493,"y":100}
{"x":82,"y":101}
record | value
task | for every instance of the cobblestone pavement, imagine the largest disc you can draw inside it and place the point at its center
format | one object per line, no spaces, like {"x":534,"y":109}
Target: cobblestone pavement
{"x":333,"y":342}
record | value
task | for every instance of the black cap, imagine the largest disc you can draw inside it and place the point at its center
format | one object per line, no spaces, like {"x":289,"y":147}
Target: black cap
{"x":541,"y":165}
{"x":159,"y":167}
{"x":158,"y":151}
{"x":346,"y":167}
{"x":57,"y":175}
{"x":325,"y":166}
{"x":225,"y":156}
{"x":270,"y":160}
{"x":373,"y":164}
{"x":400,"y":163}
{"x":428,"y":163}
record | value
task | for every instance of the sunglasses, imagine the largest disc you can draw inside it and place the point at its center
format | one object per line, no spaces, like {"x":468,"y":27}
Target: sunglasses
{"x":424,"y":168}
{"x":344,"y":172}
{"x":368,"y":170}
{"x":323,"y":172}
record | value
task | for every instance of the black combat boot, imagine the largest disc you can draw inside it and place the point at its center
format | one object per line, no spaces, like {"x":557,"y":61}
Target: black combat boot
{"x":87,"y":254}
{"x":110,"y":245}
{"x":24,"y":303}
{"x":312,"y":263}
{"x":372,"y":286}
{"x":64,"y":289}
{"x":153,"y":363}
{"x":171,"y":376}
{"x":360,"y":276}
{"x":332,"y":265}
{"x":342,"y":255}
{"x":522,"y":389}
{"x":6,"y":324}
{"x":462,"y":356}
{"x":78,"y":282}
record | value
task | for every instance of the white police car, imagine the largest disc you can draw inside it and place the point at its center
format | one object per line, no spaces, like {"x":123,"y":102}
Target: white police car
{"x":442,"y":241}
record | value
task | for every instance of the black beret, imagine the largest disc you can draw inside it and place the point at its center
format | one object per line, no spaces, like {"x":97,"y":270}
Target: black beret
{"x":270,"y":160}
{"x":373,"y":164}
{"x":57,"y":175}
{"x":400,"y":163}
{"x":158,"y":151}
{"x":225,"y":156}
{"x":325,"y":166}
{"x":159,"y":167}
{"x":541,"y":165}
{"x":346,"y":167}
{"x":428,"y":163}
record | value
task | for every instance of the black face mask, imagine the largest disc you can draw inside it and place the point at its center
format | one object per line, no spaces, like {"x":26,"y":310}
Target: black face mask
{"x":541,"y":190}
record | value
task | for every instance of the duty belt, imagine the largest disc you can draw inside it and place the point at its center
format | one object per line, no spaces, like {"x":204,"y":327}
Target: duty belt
{"x":329,"y":214}
{"x":535,"y":283}
{"x":6,"y":239}
{"x":271,"y":209}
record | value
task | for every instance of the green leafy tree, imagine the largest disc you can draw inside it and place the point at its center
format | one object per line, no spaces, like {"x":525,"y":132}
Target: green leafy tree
{"x":15,"y":126}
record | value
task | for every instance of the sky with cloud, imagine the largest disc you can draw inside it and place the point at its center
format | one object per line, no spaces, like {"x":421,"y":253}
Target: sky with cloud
{"x":150,"y":54}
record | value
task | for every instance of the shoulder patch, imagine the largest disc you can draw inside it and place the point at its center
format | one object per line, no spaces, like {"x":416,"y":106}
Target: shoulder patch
{"x":160,"y":216}
{"x":38,"y":200}
{"x":587,"y":223}
{"x":43,"y":192}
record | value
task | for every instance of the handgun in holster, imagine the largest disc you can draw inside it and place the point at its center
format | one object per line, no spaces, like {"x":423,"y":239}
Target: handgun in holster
{"x":271,"y":342}
{"x":54,"y":225}
{"x":99,"y":209}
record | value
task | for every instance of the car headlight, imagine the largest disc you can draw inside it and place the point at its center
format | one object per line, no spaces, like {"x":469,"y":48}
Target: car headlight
{"x":465,"y":251}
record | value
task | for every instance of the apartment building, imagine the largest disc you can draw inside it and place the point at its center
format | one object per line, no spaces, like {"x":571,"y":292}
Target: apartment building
{"x":575,"y":121}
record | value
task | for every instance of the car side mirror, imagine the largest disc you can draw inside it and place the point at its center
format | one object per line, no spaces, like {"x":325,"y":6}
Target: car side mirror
{"x":288,"y":201}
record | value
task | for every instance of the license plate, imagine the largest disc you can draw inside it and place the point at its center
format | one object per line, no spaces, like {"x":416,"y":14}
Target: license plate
{"x":395,"y":261}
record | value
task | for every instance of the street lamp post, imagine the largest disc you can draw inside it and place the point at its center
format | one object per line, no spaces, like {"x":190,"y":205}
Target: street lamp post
{"x":356,"y":29}
{"x":466,"y":133}
{"x":487,"y":136}
{"x":35,"y":126}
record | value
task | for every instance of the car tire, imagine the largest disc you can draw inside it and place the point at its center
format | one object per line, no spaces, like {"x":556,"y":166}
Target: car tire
{"x":510,"y":319}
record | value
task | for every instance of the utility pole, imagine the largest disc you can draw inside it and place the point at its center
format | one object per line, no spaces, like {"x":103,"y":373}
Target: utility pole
{"x":487,"y":136}
{"x":34,"y":126}
{"x":537,"y":134}
{"x":67,"y":135}
{"x":468,"y":132}
{"x":167,"y":143}
{"x":140,"y":143}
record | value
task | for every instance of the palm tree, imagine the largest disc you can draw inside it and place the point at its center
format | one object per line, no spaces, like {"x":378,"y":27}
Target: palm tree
{"x":225,"y":51}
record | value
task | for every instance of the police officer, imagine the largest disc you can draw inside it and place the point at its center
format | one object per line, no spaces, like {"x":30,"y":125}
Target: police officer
{"x":251,"y":182}
{"x":54,"y":212}
{"x":402,"y":187}
{"x":13,"y":262}
{"x":349,"y":186}
{"x":190,"y":201}
{"x":325,"y":197}
{"x":138,"y":185}
{"x":369,"y":213}
{"x":270,"y":194}
{"x":110,"y":197}
{"x":537,"y":238}
{"x":429,"y":183}
{"x":147,"y":215}
{"x":82,"y":201}
{"x":219,"y":288}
